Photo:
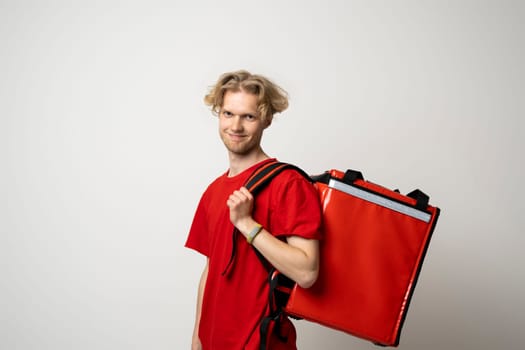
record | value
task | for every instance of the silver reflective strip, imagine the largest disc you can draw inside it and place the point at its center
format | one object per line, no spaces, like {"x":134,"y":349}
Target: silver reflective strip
{"x":379,"y":200}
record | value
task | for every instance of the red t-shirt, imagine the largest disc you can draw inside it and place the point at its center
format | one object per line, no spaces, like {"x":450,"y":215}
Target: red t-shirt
{"x":234,"y":304}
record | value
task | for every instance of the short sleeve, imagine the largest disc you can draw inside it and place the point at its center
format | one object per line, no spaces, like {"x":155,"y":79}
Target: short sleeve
{"x":297,"y":211}
{"x":198,"y":238}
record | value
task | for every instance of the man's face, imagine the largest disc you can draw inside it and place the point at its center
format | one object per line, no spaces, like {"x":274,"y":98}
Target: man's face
{"x":240,"y":125}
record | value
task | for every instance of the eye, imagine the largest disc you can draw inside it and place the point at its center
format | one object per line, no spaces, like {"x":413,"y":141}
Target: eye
{"x":250,"y":117}
{"x":227,"y":114}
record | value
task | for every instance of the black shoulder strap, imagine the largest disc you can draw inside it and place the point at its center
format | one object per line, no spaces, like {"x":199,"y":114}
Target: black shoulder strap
{"x":263,"y":175}
{"x":259,"y":179}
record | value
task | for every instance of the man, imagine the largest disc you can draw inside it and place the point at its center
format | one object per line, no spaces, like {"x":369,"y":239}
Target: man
{"x":282,"y":222}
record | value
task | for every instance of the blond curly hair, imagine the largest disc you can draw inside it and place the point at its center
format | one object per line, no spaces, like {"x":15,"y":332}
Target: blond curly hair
{"x":271,"y":98}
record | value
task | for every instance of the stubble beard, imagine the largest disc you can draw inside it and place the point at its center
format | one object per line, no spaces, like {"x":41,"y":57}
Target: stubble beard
{"x":241,"y":148}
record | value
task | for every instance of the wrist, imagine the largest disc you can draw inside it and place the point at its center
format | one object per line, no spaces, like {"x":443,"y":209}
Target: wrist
{"x":257,"y":228}
{"x":246,"y":225}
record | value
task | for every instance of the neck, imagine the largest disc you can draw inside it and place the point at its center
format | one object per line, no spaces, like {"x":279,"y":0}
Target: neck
{"x":239,"y":163}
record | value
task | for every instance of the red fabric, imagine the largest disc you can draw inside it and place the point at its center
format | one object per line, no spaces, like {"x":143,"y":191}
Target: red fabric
{"x":233,"y":305}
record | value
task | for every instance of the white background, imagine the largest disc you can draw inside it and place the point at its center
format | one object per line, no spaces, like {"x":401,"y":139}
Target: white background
{"x":106,"y":147}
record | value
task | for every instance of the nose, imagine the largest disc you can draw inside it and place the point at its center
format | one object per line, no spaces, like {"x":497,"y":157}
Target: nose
{"x":236,"y":124}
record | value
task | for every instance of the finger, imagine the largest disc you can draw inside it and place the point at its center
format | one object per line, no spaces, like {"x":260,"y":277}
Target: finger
{"x":240,"y":195}
{"x":232,"y":200}
{"x":245,"y":192}
{"x":236,"y":198}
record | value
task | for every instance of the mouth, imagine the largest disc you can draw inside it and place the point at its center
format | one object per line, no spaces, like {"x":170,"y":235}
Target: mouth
{"x":236,"y":137}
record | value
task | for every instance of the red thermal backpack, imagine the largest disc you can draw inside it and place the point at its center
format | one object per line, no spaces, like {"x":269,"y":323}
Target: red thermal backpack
{"x":373,"y":246}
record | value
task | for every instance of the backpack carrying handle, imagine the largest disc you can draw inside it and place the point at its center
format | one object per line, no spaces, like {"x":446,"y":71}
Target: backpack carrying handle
{"x":421,"y":199}
{"x":352,"y":176}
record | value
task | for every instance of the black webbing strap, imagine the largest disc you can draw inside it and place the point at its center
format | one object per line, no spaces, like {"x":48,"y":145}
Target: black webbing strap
{"x":258,"y":180}
{"x":349,"y":177}
{"x":263,"y":175}
{"x":275,"y":312}
{"x":255,"y":183}
{"x":276,"y":315}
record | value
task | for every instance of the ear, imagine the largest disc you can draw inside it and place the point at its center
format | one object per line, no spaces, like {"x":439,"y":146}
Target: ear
{"x":268,"y":122}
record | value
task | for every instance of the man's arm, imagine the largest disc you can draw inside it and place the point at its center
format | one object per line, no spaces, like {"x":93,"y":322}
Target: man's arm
{"x":195,"y":342}
{"x":297,"y":258}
